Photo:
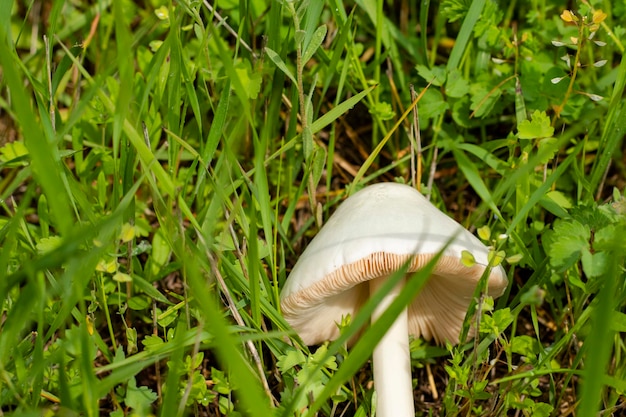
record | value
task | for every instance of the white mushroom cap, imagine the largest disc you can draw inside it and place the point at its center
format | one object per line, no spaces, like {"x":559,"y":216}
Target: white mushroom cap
{"x":372,"y":234}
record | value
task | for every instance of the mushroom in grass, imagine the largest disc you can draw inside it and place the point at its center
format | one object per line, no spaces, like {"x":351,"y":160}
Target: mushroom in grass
{"x":373,"y":234}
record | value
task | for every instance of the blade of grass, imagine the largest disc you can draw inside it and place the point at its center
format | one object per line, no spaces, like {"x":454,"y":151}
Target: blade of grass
{"x":44,"y":155}
{"x":598,"y":344}
{"x":370,"y":159}
{"x":145,"y":153}
{"x":465,"y":34}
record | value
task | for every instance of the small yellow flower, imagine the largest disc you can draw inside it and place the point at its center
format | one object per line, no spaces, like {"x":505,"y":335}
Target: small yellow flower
{"x":598,"y":16}
{"x":568,"y":16}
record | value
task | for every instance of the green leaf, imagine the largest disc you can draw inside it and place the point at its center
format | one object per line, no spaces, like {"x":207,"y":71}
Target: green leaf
{"x":566,"y":242}
{"x":525,"y":345}
{"x":384,"y":111}
{"x":538,"y":127}
{"x":484,"y":98}
{"x":251,"y":81}
{"x":314,"y":44}
{"x":278,"y":61}
{"x":292,"y":358}
{"x":138,"y":398}
{"x":152,"y":343}
{"x":339,"y":110}
{"x":434,"y":75}
{"x":48,"y":244}
{"x":14,"y":154}
{"x":456,"y":85}
{"x":618,"y":321}
{"x":467,"y":259}
{"x":431,"y":105}
{"x":594,"y":264}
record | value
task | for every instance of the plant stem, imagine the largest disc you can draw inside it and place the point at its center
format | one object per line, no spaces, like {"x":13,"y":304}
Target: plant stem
{"x":570,"y":87}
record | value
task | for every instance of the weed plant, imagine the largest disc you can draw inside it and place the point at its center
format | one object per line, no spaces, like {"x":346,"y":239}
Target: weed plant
{"x":163,"y":164}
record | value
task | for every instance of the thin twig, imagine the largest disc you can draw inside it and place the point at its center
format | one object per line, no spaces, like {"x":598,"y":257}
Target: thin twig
{"x":46,"y":42}
{"x":416,"y":146}
{"x":601,"y":185}
{"x":431,"y":173}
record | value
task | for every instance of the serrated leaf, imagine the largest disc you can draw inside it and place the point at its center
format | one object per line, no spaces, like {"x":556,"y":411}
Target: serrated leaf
{"x":538,"y":127}
{"x":14,"y":154}
{"x":251,"y":81}
{"x":383,"y":110}
{"x":48,"y":244}
{"x":139,"y":398}
{"x":152,"y":342}
{"x":434,"y":75}
{"x":292,"y":358}
{"x":568,"y":239}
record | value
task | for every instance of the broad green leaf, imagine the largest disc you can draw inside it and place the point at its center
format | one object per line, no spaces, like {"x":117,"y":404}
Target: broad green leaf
{"x":538,"y":127}
{"x":435,"y":75}
{"x":456,"y":85}
{"x":568,"y":239}
{"x":594,"y":264}
{"x":431,"y":105}
{"x":290,"y":359}
{"x":251,"y":81}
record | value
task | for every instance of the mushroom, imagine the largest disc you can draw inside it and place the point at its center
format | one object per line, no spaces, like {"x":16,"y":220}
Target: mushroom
{"x":370,"y":236}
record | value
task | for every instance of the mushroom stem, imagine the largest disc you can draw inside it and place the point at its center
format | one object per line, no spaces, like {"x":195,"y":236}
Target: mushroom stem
{"x":392,"y":361}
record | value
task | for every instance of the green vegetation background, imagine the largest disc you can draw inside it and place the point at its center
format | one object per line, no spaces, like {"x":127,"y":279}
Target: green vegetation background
{"x":162,"y":165}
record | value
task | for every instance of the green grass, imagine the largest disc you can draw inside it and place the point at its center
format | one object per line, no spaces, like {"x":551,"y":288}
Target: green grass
{"x":162,"y":166}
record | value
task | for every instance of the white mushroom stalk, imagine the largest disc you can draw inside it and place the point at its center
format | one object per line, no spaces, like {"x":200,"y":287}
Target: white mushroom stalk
{"x":370,"y":236}
{"x":392,"y":359}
